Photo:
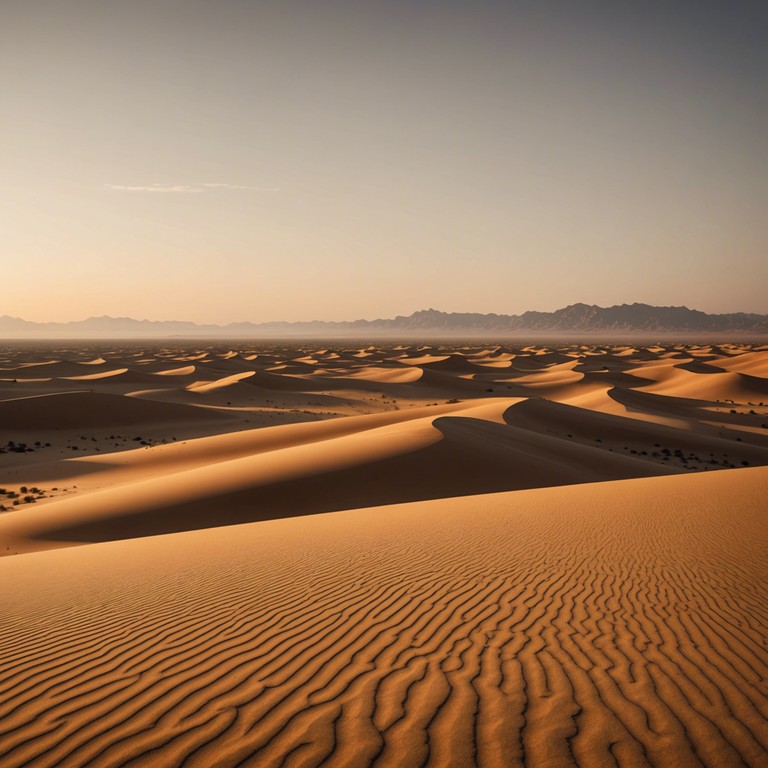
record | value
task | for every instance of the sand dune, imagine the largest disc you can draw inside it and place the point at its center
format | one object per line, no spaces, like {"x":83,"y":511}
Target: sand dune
{"x":277,"y":382}
{"x":697,"y":366}
{"x":384,"y":555}
{"x":711,"y":386}
{"x":99,"y":375}
{"x":110,"y":469}
{"x":646,"y":384}
{"x":535,"y":628}
{"x":424,"y":359}
{"x":752,"y":363}
{"x":388,"y":375}
{"x":185,"y":370}
{"x":417,"y":459}
{"x":234,"y":365}
{"x":709,"y":447}
{"x":53,"y":369}
{"x":226,"y":381}
{"x":66,"y":410}
{"x":556,"y":374}
{"x":492,"y":363}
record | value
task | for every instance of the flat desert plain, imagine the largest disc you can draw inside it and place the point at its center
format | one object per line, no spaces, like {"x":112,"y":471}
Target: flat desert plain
{"x":389,"y":555}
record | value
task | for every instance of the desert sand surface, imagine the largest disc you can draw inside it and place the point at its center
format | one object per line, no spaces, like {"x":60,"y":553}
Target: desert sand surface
{"x":426,"y":554}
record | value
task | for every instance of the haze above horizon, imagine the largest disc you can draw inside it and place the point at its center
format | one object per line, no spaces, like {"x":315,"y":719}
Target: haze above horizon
{"x":415,"y":313}
{"x":294,"y":160}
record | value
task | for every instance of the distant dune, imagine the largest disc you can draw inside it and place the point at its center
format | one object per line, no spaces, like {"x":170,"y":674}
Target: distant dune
{"x":87,"y":410}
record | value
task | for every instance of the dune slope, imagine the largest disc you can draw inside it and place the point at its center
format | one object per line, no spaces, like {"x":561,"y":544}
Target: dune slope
{"x":620,"y":623}
{"x":86,"y":410}
{"x":465,"y":452}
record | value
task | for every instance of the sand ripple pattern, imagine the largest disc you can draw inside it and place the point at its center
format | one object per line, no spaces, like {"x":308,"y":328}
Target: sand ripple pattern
{"x":623,"y":624}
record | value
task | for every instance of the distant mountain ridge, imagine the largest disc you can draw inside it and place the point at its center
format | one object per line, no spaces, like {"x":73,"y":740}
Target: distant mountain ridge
{"x":576,"y":318}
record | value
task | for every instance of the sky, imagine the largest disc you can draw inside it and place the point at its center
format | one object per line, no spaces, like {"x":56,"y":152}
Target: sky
{"x":231,"y":160}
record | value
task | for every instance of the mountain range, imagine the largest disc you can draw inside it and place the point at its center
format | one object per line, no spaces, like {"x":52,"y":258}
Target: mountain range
{"x":576,"y":319}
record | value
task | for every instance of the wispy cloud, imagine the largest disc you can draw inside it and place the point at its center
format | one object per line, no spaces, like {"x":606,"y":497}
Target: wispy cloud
{"x":219,"y":185}
{"x":154,"y":188}
{"x":201,"y":187}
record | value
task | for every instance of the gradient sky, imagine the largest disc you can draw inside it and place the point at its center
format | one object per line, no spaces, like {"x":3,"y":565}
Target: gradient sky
{"x":226,"y":160}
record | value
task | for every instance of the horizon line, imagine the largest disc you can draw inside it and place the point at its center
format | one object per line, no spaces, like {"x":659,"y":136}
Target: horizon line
{"x":377,"y":319}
